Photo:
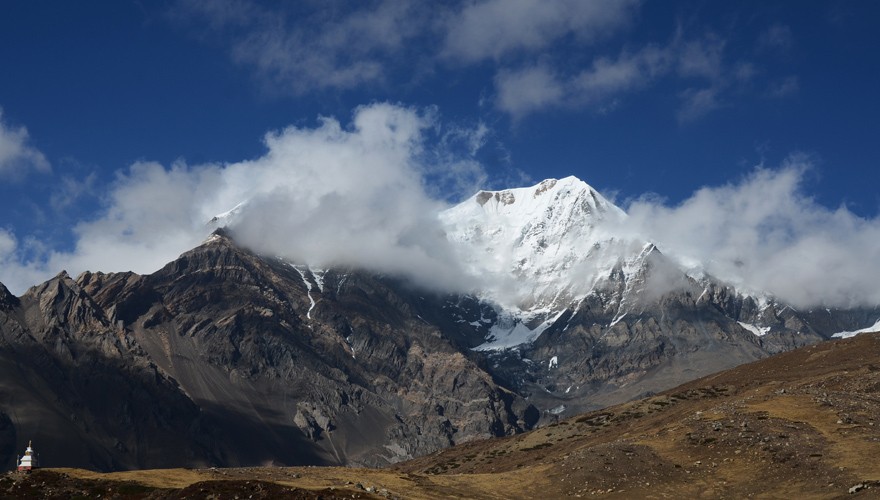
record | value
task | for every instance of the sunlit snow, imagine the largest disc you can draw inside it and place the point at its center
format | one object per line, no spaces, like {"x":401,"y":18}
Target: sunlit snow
{"x":759,"y":331}
{"x":846,"y":335}
{"x":539,"y":250}
{"x":510,"y":331}
{"x":301,"y":270}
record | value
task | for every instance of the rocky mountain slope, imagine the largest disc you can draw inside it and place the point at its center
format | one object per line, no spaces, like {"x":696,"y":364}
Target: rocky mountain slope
{"x":226,"y":357}
{"x":802,"y":424}
{"x":223,"y":357}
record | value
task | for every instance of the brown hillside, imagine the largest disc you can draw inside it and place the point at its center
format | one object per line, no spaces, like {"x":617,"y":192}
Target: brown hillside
{"x":804,"y":424}
{"x":797,"y":425}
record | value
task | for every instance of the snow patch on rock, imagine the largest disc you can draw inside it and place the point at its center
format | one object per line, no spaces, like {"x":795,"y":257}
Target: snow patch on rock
{"x":846,"y":335}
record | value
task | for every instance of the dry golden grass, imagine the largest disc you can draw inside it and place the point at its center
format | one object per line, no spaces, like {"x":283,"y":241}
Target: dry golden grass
{"x":415,"y":486}
{"x":159,"y":478}
{"x":851,"y":447}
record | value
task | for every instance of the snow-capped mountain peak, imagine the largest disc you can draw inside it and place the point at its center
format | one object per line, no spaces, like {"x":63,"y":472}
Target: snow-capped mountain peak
{"x":551,"y":200}
{"x":228,"y":217}
{"x":543,"y":243}
{"x":545,"y":253}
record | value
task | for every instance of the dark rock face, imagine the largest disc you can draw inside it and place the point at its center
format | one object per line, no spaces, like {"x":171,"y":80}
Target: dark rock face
{"x":70,"y":378}
{"x":227,"y":358}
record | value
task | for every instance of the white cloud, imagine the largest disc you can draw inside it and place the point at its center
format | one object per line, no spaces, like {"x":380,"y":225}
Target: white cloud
{"x":452,"y":171}
{"x":492,"y":29}
{"x":541,"y":87}
{"x":71,"y":190}
{"x":538,"y":88}
{"x":765,"y":234}
{"x":344,"y":46}
{"x":153,"y":214}
{"x":529,"y":90}
{"x":356,"y":195}
{"x":311,"y":48}
{"x":328,"y":195}
{"x":628,"y":71}
{"x":16,"y":156}
{"x":701,"y":65}
{"x":7,"y":244}
{"x":17,"y":274}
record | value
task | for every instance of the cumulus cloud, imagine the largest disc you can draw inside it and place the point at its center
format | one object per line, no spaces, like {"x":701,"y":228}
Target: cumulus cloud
{"x":152,"y":215}
{"x":17,"y":157}
{"x":329,"y":195}
{"x":765,"y":233}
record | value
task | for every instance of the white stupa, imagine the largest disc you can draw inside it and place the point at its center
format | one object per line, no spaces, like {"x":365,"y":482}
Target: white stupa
{"x":29,"y":461}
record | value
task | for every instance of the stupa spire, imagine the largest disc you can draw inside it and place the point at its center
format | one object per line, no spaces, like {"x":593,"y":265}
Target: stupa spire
{"x":28,"y":462}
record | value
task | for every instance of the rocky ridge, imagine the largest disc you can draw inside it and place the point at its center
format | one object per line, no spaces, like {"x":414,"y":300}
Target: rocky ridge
{"x":243,"y":359}
{"x":240,"y":360}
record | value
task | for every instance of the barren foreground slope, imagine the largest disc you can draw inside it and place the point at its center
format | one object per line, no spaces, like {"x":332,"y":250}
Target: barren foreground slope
{"x":803,"y":424}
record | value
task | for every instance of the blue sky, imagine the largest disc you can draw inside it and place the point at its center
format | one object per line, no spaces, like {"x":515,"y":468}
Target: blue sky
{"x":644,"y":100}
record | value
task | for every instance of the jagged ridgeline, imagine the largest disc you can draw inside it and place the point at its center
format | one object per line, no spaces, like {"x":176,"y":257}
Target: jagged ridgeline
{"x":225,"y":357}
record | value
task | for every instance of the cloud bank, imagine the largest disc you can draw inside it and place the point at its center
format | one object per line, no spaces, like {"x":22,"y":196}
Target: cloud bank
{"x":367,"y":194}
{"x":765,"y":234}
{"x":329,"y":195}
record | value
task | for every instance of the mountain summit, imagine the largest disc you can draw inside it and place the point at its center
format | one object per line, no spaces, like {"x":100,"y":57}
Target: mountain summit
{"x":552,"y":239}
{"x":243,"y":358}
